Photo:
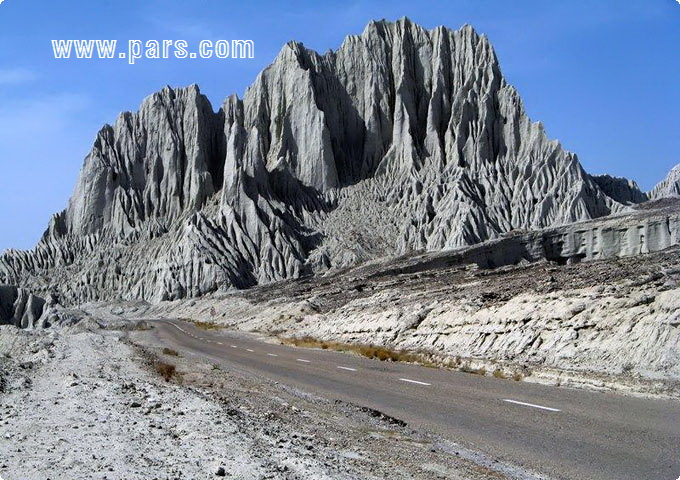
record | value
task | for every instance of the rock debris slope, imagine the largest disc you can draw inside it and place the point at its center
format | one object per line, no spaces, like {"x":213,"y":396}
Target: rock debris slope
{"x":403,"y":139}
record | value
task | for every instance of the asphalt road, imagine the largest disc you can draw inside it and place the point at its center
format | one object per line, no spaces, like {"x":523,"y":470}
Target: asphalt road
{"x":558,"y":432}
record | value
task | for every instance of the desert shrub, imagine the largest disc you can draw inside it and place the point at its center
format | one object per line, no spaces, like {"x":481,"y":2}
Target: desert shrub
{"x":165,"y":370}
{"x":204,"y":325}
{"x":383,"y":354}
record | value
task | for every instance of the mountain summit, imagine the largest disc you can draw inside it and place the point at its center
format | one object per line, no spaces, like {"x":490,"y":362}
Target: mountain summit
{"x":403,"y":139}
{"x":669,"y":186}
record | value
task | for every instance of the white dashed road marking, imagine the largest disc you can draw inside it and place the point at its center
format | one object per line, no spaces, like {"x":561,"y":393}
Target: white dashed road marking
{"x":272,"y":355}
{"x":550,"y":409}
{"x":347,"y":368}
{"x":303,"y":360}
{"x":414,"y":381}
{"x":249,"y":350}
{"x":234,"y":346}
{"x":220,"y":343}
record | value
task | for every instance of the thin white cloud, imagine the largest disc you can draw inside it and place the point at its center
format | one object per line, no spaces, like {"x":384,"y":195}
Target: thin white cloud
{"x":16,"y":76}
{"x":55,"y":113}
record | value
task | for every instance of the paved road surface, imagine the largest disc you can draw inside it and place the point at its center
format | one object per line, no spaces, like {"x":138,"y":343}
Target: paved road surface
{"x":558,"y":432}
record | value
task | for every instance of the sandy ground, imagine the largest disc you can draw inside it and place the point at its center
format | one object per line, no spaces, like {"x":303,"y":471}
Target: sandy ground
{"x":90,"y":404}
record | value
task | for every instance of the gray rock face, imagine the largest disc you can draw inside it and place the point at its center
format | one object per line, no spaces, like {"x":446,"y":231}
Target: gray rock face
{"x":403,"y":139}
{"x":669,"y":186}
{"x":21,"y":308}
{"x":620,"y":189}
{"x":147,"y":169}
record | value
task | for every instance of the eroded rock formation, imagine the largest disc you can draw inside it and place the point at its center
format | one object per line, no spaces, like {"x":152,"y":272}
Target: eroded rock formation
{"x":669,"y":186}
{"x":402,"y":140}
{"x":21,"y":308}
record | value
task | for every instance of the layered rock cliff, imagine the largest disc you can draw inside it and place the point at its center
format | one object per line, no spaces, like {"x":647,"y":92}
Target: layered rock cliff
{"x":403,"y":139}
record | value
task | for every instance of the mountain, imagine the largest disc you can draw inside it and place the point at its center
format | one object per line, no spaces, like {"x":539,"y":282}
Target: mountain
{"x":402,"y":140}
{"x":669,"y":186}
{"x":621,"y":189}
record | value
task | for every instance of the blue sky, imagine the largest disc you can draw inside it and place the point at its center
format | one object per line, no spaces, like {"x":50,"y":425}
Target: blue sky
{"x":603,"y":76}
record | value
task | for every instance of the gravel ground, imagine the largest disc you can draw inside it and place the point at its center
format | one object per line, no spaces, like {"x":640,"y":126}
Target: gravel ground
{"x":89,"y":403}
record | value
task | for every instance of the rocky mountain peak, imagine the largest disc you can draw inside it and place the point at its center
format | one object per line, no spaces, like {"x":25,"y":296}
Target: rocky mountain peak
{"x":669,"y":186}
{"x":621,"y":189}
{"x":403,"y":139}
{"x":152,"y":164}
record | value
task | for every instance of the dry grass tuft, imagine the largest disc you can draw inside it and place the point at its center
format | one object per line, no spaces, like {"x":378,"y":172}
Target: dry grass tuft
{"x":475,"y":371}
{"x":141,"y":326}
{"x":204,"y":325}
{"x":383,"y":354}
{"x":166,"y":370}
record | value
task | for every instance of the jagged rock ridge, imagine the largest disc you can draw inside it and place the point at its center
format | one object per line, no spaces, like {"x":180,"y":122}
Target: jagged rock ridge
{"x":621,"y":189}
{"x":669,"y":186}
{"x":403,"y":139}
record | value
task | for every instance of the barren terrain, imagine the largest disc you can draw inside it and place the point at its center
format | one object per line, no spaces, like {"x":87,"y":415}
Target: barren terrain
{"x":88,"y":403}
